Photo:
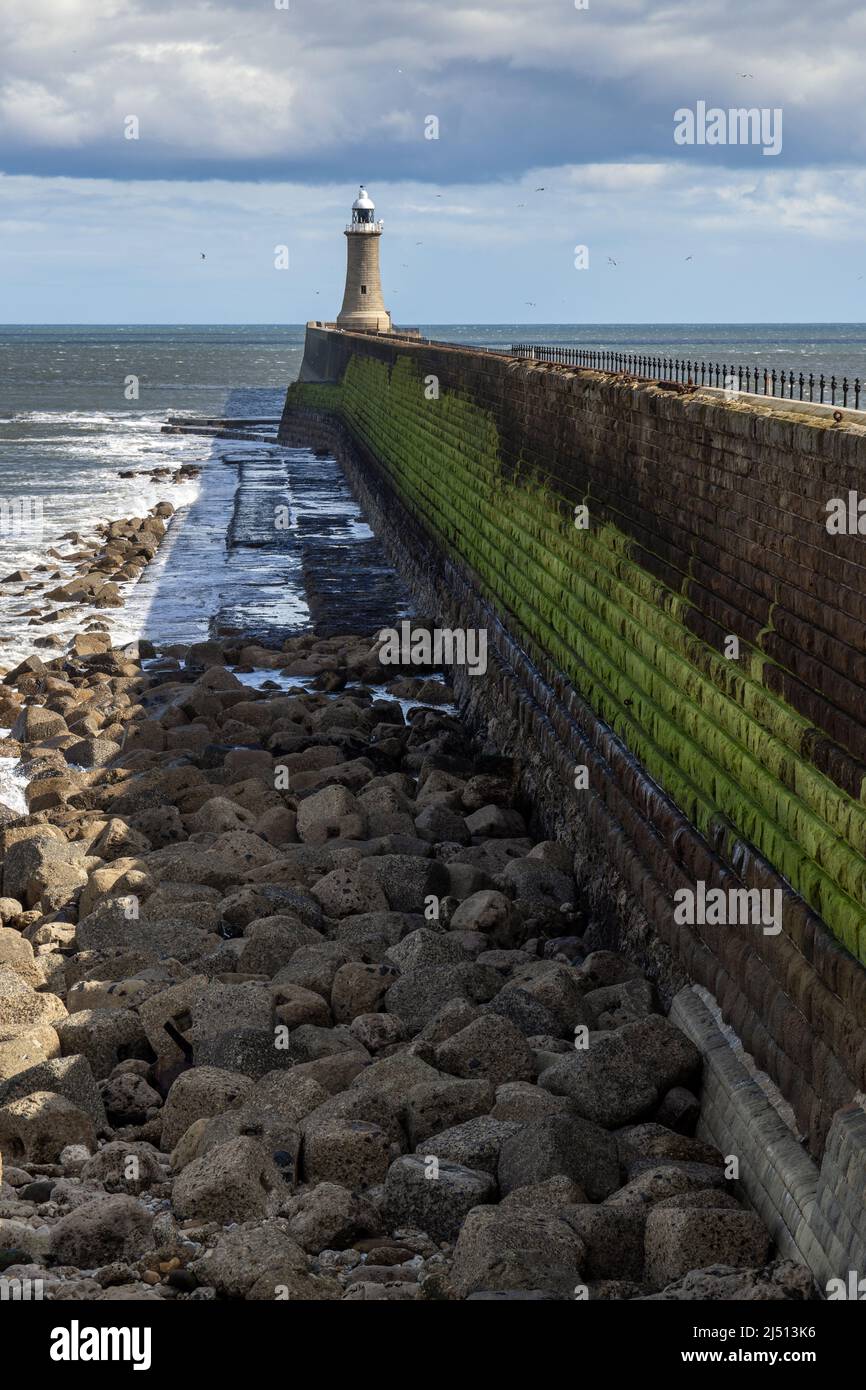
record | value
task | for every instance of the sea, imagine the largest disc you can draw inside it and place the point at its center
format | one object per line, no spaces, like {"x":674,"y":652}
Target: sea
{"x":81,"y":413}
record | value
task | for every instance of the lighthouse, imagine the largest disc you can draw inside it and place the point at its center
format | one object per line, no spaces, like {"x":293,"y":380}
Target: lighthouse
{"x":363,"y":305}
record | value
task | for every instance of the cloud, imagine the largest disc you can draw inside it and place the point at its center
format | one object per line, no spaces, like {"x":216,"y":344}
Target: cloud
{"x":339,"y":89}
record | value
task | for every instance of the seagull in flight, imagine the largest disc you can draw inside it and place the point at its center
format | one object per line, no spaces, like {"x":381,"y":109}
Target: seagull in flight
{"x":746,"y":74}
{"x":611,"y":260}
{"x":689,"y":258}
{"x":203,"y":256}
{"x":540,"y":190}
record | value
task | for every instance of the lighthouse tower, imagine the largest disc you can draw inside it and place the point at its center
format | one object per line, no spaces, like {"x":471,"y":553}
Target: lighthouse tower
{"x":363,"y":305}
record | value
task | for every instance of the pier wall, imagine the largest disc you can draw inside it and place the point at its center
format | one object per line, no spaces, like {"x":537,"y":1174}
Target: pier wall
{"x":735,"y":764}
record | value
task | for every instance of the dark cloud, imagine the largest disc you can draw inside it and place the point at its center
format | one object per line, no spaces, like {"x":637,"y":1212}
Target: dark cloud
{"x":237,"y":89}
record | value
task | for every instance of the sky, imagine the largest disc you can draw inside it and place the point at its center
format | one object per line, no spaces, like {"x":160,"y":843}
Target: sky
{"x":136,"y":135}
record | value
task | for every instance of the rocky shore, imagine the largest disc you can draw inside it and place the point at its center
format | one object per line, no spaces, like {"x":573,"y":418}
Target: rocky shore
{"x":296,"y":1004}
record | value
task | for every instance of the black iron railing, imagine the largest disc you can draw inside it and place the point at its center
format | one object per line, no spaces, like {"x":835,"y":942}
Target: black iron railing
{"x":759,"y":381}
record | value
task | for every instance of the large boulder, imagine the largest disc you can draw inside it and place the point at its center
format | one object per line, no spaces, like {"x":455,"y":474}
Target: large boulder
{"x":106,"y":1229}
{"x":43,"y":870}
{"x":513,"y":1248}
{"x":434,"y":1197}
{"x":621,"y":1076}
{"x":561,"y":1145}
{"x":36,"y":1128}
{"x":614,"y":1239}
{"x":332,"y":813}
{"x":418,"y":994}
{"x":237,"y":1181}
{"x":680,"y":1241}
{"x":22,"y":1007}
{"x":71,"y":1077}
{"x":489,"y":1048}
{"x":201,"y":1092}
{"x":256,"y":1251}
{"x":475,"y":1143}
{"x":104,"y":1036}
{"x":437,"y":1105}
{"x":330,"y":1217}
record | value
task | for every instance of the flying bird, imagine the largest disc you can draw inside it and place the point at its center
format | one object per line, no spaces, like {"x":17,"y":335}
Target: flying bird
{"x":203,"y":256}
{"x":611,"y":260}
{"x":540,"y":190}
{"x":521,"y":205}
{"x":689,"y":258}
{"x":746,"y":74}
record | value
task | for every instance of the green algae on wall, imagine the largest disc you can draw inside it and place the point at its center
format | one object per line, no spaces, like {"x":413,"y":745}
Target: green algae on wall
{"x":707,"y":729}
